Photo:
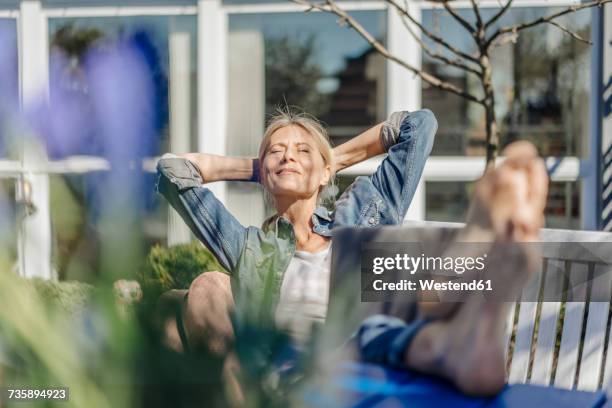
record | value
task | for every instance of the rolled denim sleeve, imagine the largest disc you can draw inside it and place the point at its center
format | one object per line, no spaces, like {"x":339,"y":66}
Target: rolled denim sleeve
{"x":383,"y":339}
{"x":397,"y":178}
{"x":180,"y":183}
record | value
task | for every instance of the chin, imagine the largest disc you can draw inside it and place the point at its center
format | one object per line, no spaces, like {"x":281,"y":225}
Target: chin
{"x":285,"y":191}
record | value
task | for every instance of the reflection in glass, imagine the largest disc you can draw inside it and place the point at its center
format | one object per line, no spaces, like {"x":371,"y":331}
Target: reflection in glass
{"x":448,"y":201}
{"x":166,"y":54}
{"x":312,"y":63}
{"x":71,"y":39}
{"x":541,"y":81}
{"x":9,"y":84}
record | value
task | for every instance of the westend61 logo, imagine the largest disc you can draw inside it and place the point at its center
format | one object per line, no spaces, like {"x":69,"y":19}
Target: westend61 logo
{"x":412,"y":265}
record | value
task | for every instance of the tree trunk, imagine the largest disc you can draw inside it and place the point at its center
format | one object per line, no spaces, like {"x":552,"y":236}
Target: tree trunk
{"x":492,"y":132}
{"x":491,"y":128}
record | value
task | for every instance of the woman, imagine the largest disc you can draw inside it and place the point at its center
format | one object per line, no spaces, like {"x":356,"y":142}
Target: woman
{"x":295,"y":164}
{"x":279,"y":274}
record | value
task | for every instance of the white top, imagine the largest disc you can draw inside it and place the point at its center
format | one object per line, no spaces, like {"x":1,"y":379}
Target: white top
{"x":304,"y":294}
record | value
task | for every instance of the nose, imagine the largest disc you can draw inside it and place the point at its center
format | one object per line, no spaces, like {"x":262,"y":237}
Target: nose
{"x":289,"y":154}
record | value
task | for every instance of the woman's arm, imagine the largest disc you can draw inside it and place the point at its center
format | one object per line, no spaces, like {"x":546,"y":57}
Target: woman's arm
{"x":222,"y":168}
{"x":372,"y":142}
{"x":362,"y":147}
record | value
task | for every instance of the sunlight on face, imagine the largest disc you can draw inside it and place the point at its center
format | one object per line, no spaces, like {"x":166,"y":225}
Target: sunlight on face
{"x":293,"y":165}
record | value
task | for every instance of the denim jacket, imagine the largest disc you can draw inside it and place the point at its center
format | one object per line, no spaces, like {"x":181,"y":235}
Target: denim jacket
{"x":257,"y":258}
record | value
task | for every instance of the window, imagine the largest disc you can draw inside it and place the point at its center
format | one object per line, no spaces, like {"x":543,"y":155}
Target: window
{"x":158,"y":37}
{"x":308,"y":61}
{"x":167,"y":48}
{"x":541,"y":81}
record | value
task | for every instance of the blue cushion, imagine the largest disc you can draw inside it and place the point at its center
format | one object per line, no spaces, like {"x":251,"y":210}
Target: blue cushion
{"x":368,"y":385}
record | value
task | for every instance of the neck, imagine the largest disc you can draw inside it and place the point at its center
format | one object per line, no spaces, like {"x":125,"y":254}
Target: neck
{"x":299,"y":213}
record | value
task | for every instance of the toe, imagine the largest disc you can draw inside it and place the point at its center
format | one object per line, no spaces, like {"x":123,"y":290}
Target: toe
{"x":520,"y":153}
{"x":538,"y":184}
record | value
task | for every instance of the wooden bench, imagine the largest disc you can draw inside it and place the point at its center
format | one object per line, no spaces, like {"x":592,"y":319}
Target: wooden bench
{"x":565,"y":344}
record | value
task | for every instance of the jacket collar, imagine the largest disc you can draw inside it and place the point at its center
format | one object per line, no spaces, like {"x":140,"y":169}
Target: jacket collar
{"x":321,"y":219}
{"x":323,"y":213}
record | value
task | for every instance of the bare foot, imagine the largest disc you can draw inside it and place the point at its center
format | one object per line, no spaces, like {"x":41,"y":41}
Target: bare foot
{"x":507,"y":209}
{"x":509,"y":200}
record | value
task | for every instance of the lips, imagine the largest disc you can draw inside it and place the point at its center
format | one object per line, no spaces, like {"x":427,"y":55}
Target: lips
{"x":287,"y":170}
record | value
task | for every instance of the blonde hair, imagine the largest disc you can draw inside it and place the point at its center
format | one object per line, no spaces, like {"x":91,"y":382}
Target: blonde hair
{"x":287,"y":117}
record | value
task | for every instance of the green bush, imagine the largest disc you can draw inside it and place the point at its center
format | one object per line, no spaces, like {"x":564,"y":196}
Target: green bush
{"x":177,"y":266}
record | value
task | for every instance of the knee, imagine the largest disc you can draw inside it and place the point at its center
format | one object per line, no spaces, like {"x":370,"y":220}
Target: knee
{"x":207,"y":320}
{"x":210,"y":286}
{"x":210,"y":281}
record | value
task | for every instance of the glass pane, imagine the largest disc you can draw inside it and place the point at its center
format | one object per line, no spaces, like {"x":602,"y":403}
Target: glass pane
{"x":305,"y":61}
{"x":541,"y":81}
{"x":164,"y":49}
{"x":251,"y":1}
{"x":309,"y":61}
{"x":158,"y":37}
{"x":448,"y":201}
{"x":9,"y":85}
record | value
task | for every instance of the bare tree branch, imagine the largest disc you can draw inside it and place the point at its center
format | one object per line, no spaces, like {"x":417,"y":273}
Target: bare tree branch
{"x":457,"y":17}
{"x":505,"y":39}
{"x":498,"y":15}
{"x":440,"y":57}
{"x":479,"y":24}
{"x":331,"y":7}
{"x":569,"y":32}
{"x":404,"y":11}
{"x":547,"y":19}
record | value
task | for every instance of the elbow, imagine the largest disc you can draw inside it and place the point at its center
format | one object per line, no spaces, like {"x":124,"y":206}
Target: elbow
{"x":178,"y":171}
{"x":422,"y":125}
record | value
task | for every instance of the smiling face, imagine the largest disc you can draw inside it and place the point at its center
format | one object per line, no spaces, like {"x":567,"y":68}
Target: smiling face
{"x":292,"y":165}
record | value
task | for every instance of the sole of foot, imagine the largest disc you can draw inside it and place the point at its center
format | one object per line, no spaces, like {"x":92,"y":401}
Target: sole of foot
{"x":507,"y":210}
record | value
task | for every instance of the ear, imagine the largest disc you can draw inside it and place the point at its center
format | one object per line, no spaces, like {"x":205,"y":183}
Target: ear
{"x":326,"y":175}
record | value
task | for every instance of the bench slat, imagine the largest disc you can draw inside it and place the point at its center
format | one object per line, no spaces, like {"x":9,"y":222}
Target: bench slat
{"x":524,"y":332}
{"x":509,"y":327}
{"x":572,"y":328}
{"x":541,"y":372}
{"x":607,"y":378}
{"x":593,"y":347}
